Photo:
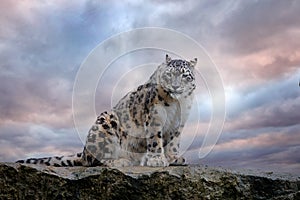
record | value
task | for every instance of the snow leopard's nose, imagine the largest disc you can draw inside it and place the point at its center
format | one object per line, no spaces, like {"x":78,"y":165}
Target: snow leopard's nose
{"x":175,"y":86}
{"x":176,"y":82}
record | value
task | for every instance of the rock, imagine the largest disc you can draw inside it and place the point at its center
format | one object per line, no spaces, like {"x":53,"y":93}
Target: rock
{"x":180,"y":182}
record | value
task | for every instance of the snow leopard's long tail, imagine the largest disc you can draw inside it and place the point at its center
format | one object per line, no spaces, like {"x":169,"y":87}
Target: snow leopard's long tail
{"x":57,"y":161}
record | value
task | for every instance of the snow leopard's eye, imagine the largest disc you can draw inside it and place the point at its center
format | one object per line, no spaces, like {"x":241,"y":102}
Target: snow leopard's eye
{"x":189,"y":78}
{"x":168,"y":74}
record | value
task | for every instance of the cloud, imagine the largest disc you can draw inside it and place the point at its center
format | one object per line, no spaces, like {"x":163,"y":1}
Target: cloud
{"x":275,"y":94}
{"x":273,"y":149}
{"x":279,"y":114}
{"x":20,"y":140}
{"x":44,"y":44}
{"x":263,"y":44}
{"x":45,"y":101}
{"x":250,"y":28}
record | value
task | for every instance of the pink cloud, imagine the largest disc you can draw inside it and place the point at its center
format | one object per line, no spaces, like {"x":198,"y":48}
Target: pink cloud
{"x":264,"y":140}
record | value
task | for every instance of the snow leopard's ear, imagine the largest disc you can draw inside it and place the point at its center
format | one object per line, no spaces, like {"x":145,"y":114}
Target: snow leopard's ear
{"x":193,"y":62}
{"x":168,"y":59}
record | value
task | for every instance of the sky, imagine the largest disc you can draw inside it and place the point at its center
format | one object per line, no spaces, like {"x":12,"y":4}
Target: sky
{"x":254,"y":44}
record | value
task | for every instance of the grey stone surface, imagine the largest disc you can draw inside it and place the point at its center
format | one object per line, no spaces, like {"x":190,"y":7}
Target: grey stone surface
{"x":181,"y":182}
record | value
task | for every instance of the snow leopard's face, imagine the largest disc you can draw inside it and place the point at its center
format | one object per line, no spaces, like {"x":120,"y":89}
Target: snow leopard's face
{"x":177,"y":77}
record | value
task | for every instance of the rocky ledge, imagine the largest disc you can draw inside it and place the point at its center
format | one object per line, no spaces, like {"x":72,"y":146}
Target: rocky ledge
{"x":184,"y":182}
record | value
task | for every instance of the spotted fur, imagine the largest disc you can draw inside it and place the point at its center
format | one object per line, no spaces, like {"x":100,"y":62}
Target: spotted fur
{"x":144,"y":127}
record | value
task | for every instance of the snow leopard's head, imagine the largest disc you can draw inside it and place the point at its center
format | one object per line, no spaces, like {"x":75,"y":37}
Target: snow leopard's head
{"x":177,"y":76}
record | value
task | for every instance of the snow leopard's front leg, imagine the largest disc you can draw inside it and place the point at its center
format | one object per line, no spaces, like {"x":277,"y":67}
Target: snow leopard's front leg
{"x":155,"y":121}
{"x":172,"y":138}
{"x":171,"y":147}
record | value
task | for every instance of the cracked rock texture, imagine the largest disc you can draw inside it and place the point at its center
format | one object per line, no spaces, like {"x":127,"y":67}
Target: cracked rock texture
{"x":181,"y":182}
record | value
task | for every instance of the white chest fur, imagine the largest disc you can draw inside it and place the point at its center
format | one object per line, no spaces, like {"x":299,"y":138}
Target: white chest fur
{"x":175,"y":114}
